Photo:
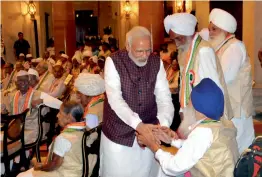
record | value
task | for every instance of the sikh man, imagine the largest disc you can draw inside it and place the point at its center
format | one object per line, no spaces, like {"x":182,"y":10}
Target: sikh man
{"x":45,"y":77}
{"x":237,"y":72}
{"x":197,"y":61}
{"x":138,"y":96}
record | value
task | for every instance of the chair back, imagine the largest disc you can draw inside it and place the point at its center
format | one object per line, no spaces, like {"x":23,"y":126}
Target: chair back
{"x":94,"y":149}
{"x":14,"y":126}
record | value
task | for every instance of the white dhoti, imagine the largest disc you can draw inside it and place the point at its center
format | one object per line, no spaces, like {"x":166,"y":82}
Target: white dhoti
{"x":122,"y":161}
{"x":245,"y":132}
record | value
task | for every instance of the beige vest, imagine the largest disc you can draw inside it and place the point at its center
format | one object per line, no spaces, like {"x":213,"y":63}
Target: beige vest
{"x":72,"y":165}
{"x":97,"y":110}
{"x":228,"y":113}
{"x":220,"y":159}
{"x":240,"y":91}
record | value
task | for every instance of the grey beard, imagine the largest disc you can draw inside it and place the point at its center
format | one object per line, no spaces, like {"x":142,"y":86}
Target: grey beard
{"x":140,"y":64}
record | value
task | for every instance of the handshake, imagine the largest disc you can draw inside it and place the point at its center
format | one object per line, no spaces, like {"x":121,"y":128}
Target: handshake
{"x":151,"y":135}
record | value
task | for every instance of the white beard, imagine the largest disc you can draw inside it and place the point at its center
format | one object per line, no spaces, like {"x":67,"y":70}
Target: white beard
{"x":136,"y":61}
{"x":182,"y":55}
{"x":189,"y":119}
{"x":217,"y":40}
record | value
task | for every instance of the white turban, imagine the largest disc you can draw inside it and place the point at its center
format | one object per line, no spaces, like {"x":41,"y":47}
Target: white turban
{"x":65,"y":56}
{"x":87,"y":53}
{"x":94,"y":58}
{"x":22,"y":73}
{"x":21,"y":55}
{"x":90,"y":84}
{"x":181,"y":23}
{"x":33,"y":72}
{"x":223,"y":20}
{"x":29,"y":55}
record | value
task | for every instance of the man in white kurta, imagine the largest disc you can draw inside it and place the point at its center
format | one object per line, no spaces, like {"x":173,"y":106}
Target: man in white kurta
{"x":118,"y":160}
{"x":197,"y":61}
{"x":237,"y":72}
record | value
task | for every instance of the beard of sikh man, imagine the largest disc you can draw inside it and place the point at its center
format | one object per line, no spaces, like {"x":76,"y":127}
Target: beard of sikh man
{"x":236,"y":67}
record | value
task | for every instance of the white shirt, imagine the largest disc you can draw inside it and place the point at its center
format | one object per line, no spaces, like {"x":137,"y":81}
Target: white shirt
{"x":118,"y":104}
{"x":61,"y":145}
{"x":50,"y":101}
{"x":232,"y":60}
{"x":193,"y":149}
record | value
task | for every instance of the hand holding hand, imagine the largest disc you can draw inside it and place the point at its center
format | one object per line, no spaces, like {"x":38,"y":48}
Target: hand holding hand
{"x":38,"y":166}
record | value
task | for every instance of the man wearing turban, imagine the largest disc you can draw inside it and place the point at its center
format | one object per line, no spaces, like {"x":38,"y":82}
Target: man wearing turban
{"x":236,"y":67}
{"x":197,"y":61}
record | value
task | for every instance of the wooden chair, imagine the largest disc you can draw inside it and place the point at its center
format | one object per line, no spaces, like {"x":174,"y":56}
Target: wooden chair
{"x":94,"y":149}
{"x":12,"y":145}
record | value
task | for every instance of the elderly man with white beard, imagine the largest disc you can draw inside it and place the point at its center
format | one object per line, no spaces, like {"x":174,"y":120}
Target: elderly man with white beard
{"x":138,"y":98}
{"x":237,"y":72}
{"x":197,"y":61}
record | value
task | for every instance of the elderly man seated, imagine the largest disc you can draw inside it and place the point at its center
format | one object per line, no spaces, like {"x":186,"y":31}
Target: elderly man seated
{"x":27,"y":98}
{"x":45,"y":77}
{"x":208,"y":146}
{"x":57,"y":87}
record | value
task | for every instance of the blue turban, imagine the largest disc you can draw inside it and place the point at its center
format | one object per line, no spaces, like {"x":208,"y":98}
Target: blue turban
{"x":208,"y":99}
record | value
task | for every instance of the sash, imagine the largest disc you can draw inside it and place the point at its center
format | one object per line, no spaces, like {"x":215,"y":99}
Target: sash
{"x":27,"y":103}
{"x":94,"y":101}
{"x":54,"y":84}
{"x":188,"y":73}
{"x":230,"y":36}
{"x":10,"y":79}
{"x":41,"y":80}
{"x":170,"y":75}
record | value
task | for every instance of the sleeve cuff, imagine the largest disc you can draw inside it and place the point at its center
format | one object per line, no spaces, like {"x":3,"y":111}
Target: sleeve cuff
{"x":136,"y":120}
{"x":165,"y":123}
{"x":158,"y":154}
{"x":177,"y":143}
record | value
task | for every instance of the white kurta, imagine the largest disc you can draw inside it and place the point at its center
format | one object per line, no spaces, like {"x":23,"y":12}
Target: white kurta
{"x":188,"y":155}
{"x":122,"y":161}
{"x":232,"y":60}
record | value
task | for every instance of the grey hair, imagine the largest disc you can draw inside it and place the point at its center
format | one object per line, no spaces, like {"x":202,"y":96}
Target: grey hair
{"x":75,"y":109}
{"x":137,"y":31}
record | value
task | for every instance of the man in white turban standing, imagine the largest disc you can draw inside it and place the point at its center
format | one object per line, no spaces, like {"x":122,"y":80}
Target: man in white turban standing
{"x":197,"y":61}
{"x":237,"y":72}
{"x":138,"y":96}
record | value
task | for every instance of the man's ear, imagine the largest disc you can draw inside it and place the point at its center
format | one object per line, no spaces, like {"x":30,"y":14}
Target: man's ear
{"x":127,"y":46}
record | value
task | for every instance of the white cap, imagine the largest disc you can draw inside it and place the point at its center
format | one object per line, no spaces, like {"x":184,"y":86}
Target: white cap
{"x":22,"y":73}
{"x":33,"y":72}
{"x":64,"y":56}
{"x":181,"y":23}
{"x":29,"y":55}
{"x":87,"y":53}
{"x":21,"y":55}
{"x":223,"y":20}
{"x":90,"y":84}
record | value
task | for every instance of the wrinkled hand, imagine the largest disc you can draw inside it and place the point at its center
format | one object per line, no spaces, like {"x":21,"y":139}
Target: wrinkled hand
{"x":146,"y":130}
{"x":38,"y":166}
{"x":36,"y":102}
{"x":140,"y":143}
{"x":149,"y":141}
{"x":165,"y":135}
